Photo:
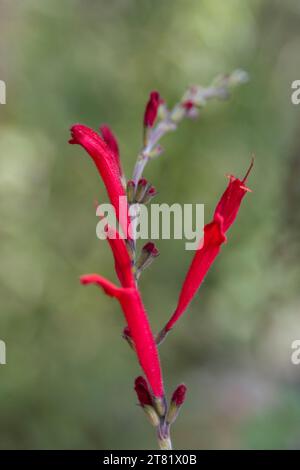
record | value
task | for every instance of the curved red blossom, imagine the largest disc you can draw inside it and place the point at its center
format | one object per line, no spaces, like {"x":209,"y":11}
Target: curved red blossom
{"x":138,"y":324}
{"x":105,"y":162}
{"x":111,"y":140}
{"x":214,"y":236}
{"x":152,"y":108}
{"x":202,"y":261}
{"x":230,"y":202}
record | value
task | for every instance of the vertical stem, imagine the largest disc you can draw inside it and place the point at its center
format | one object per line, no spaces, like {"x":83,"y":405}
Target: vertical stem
{"x":164,"y":438}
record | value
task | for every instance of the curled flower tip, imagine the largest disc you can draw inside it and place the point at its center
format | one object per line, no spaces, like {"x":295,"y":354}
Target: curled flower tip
{"x":152,"y":108}
{"x":130,"y":191}
{"x":142,"y":187}
{"x":177,"y":401}
{"x":145,"y":400}
{"x":110,"y":138}
{"x":109,"y":288}
{"x":127,"y":336}
{"x":148,"y":253}
{"x":249,"y":169}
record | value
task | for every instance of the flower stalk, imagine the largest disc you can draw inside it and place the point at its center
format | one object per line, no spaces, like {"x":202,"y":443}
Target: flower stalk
{"x":104,"y":151}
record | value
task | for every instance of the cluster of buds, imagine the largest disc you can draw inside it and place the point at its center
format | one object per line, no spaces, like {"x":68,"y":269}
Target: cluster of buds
{"x":140,"y":193}
{"x":160,"y":415}
{"x":104,"y":151}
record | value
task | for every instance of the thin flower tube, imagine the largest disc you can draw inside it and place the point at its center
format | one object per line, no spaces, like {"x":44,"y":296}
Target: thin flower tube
{"x":136,"y":317}
{"x":214,"y":236}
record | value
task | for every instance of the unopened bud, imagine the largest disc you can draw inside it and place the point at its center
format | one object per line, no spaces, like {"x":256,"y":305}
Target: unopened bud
{"x":145,"y":400}
{"x":148,"y":253}
{"x":142,"y":390}
{"x":177,"y":401}
{"x":152,"y":108}
{"x":130,"y":191}
{"x":149,"y":194}
{"x":142,"y":187}
{"x":187,"y":105}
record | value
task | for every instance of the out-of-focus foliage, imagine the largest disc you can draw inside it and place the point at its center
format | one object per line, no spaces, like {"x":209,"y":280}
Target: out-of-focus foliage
{"x":69,"y":378}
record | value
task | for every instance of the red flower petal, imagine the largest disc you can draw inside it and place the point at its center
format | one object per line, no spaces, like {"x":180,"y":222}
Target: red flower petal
{"x":202,"y":261}
{"x":230,"y":202}
{"x":224,"y":216}
{"x":111,"y":140}
{"x":139,"y":328}
{"x":104,"y":160}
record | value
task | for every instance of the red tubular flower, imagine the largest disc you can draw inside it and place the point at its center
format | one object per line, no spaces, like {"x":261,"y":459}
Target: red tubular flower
{"x":230,"y":202}
{"x":137,"y":320}
{"x":104,"y":160}
{"x":214,"y":235}
{"x":203,"y":259}
{"x":152,"y":108}
{"x":111,"y":140}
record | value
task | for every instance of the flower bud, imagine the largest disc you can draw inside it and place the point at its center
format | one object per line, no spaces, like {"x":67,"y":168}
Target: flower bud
{"x":130,"y":191}
{"x":152,"y":108}
{"x":145,"y":399}
{"x":177,"y":401}
{"x":149,"y":194}
{"x":187,"y":105}
{"x":142,"y":391}
{"x":141,"y":189}
{"x":149,"y":252}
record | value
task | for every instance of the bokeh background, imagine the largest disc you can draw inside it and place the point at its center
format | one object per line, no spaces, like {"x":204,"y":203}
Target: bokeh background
{"x":68,"y":382}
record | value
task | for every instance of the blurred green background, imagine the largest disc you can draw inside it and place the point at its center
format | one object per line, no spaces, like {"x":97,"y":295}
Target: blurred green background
{"x":68,"y":382}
